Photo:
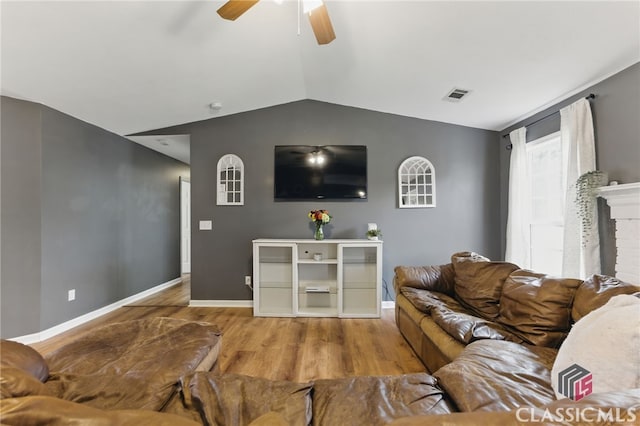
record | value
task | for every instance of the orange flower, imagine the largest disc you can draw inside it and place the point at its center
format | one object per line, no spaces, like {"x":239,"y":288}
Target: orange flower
{"x":319,"y":216}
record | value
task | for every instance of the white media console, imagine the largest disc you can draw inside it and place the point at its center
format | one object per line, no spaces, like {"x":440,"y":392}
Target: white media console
{"x":328,"y":278}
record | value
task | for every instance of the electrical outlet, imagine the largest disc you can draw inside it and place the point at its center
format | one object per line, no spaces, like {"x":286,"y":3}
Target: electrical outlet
{"x":72,"y":295}
{"x":247,"y":280}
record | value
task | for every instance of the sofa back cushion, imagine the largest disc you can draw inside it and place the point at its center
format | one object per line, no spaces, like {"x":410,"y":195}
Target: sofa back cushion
{"x":538,"y":306}
{"x":433,"y":278}
{"x":479,"y":281}
{"x":17,"y":355}
{"x":596,"y":291}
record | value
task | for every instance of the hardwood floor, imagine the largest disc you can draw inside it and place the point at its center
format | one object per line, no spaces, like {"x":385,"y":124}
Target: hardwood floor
{"x":297,"y":349}
{"x":177,"y":295}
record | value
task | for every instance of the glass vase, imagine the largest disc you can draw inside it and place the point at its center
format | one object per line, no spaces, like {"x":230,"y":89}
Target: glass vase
{"x":319,"y":234}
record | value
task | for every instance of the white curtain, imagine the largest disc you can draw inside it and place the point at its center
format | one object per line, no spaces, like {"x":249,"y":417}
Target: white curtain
{"x":580,"y":258}
{"x":518,"y":217}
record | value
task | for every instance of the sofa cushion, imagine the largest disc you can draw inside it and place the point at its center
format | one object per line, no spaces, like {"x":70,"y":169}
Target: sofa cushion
{"x":46,"y":410}
{"x":376,"y":400}
{"x":15,"y":382}
{"x":595,"y":291}
{"x":496,"y":375}
{"x":405,"y":305}
{"x":113,"y":391}
{"x":437,"y":347}
{"x":236,"y":400}
{"x":479,"y":281}
{"x":270,"y":419}
{"x":468,"y":328}
{"x":433,"y":278}
{"x":131,"y":348}
{"x":425,"y":300}
{"x":538,"y":306}
{"x":610,"y":333}
{"x":14,"y":354}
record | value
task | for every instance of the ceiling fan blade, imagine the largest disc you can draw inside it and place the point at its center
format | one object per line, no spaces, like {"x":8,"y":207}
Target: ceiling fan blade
{"x":321,"y":24}
{"x":232,"y":9}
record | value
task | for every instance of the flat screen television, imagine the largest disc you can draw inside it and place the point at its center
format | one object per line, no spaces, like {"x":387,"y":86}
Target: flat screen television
{"x":331,"y":172}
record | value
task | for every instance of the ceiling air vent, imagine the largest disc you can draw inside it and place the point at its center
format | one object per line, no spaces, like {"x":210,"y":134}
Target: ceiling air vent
{"x":456,"y":95}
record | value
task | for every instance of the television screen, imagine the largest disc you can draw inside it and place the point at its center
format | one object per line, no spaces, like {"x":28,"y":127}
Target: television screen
{"x":335,"y":172}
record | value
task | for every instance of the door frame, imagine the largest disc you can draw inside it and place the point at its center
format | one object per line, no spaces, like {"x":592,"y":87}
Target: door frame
{"x":185,"y":226}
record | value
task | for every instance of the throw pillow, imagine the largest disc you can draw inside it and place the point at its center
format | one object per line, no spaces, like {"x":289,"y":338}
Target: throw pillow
{"x":538,"y":307}
{"x":605,"y":344}
{"x":479,"y":281}
{"x":14,"y":354}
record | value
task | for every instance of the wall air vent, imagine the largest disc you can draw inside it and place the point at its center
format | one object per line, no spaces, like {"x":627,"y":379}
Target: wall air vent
{"x":456,"y":95}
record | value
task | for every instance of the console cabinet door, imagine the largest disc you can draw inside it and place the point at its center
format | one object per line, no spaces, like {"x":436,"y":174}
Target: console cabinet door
{"x":274,"y":278}
{"x":360,"y":280}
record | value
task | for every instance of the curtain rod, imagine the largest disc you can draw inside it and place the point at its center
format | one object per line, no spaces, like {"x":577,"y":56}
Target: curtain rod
{"x":508,"y":147}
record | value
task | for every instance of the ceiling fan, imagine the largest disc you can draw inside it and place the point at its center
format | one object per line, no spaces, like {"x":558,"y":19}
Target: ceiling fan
{"x":316,"y":9}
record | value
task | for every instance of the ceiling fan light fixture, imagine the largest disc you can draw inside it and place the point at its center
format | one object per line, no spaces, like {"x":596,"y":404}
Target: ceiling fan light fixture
{"x":309,"y":6}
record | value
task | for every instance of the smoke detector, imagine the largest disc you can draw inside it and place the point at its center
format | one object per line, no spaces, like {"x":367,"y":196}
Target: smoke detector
{"x":456,"y":95}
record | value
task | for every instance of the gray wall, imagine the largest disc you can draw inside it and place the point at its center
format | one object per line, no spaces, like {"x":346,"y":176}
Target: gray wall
{"x":21,"y":180}
{"x":616,"y":112}
{"x":466,"y":161}
{"x":103,"y":214}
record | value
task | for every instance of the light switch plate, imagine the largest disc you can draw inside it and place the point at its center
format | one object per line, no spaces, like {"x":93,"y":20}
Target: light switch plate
{"x":206,"y":225}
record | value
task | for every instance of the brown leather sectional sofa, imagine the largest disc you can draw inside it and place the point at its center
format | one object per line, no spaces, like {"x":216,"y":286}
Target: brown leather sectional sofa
{"x":158,"y":372}
{"x":491,"y":349}
{"x":442,"y":309}
{"x":490,"y":333}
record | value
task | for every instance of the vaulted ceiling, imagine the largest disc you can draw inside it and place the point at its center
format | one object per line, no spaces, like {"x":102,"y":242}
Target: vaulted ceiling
{"x":131,"y":66}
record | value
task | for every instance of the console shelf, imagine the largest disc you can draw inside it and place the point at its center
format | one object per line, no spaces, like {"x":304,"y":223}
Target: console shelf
{"x":328,"y":278}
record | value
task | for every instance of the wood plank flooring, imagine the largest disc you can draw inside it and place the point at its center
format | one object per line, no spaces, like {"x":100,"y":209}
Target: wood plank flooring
{"x":177,"y":295}
{"x":296,"y":349}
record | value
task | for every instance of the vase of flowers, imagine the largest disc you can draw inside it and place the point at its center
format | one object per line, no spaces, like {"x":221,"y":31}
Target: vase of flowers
{"x":319,"y":219}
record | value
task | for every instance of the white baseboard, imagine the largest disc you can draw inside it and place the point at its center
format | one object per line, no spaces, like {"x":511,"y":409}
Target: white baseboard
{"x":68,"y":325}
{"x":388,"y":304}
{"x":221,"y":303}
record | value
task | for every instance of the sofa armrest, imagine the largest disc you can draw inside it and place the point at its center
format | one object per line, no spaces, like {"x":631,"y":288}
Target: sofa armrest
{"x":433,"y":278}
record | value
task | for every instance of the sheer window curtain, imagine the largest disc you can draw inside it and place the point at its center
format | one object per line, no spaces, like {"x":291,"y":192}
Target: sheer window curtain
{"x":518,"y":248}
{"x":580,"y":258}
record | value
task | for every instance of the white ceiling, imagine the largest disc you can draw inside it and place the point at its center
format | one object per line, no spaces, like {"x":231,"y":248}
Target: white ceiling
{"x":131,"y":66}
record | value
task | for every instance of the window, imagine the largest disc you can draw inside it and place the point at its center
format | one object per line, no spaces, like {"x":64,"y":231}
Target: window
{"x":230,"y":181}
{"x":546,"y":170}
{"x":416,"y":183}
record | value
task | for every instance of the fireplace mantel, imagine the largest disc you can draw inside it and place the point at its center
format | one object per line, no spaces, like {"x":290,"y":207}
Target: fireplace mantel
{"x":624,"y":201}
